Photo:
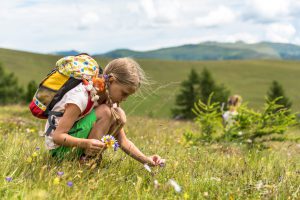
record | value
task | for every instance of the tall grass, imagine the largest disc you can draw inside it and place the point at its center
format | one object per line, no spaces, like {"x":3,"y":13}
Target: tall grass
{"x":207,"y":171}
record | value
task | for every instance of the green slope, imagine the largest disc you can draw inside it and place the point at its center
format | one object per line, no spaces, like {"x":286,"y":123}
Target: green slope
{"x":249,"y":78}
{"x":193,"y":52}
{"x":27,"y":66}
{"x":216,"y":51}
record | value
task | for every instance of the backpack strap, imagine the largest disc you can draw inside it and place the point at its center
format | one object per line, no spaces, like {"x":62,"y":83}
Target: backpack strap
{"x":70,"y":84}
{"x":89,"y":105}
{"x":51,"y":120}
{"x":53,"y":114}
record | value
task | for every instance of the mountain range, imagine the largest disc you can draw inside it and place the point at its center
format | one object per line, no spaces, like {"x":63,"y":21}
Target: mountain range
{"x":215,"y":51}
{"x":208,"y":51}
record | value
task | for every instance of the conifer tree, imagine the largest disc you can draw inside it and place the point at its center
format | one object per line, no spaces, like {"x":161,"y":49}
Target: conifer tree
{"x":276,"y":90}
{"x":10,"y":92}
{"x":207,"y":85}
{"x":188,"y":95}
{"x":195,"y":88}
{"x":31,"y":89}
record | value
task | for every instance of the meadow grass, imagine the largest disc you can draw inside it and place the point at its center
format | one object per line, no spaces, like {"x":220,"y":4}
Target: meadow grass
{"x":207,"y":171}
{"x":249,"y":78}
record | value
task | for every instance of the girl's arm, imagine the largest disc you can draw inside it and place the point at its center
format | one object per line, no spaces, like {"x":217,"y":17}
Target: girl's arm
{"x":129,"y":148}
{"x":61,"y":137}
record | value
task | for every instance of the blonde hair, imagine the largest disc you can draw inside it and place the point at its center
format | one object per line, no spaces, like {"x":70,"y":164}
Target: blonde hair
{"x":127,"y":72}
{"x":234,"y":101}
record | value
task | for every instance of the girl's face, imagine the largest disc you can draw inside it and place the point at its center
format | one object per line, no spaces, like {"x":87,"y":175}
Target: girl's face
{"x":119,"y":92}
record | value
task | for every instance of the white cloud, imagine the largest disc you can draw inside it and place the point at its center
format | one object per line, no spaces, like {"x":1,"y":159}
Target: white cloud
{"x":270,"y":10}
{"x":242,"y":36}
{"x":161,"y":12}
{"x":88,"y":20}
{"x":219,"y":16}
{"x":280,"y":32}
{"x":99,"y":26}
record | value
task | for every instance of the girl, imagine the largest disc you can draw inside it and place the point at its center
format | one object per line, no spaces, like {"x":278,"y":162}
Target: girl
{"x":234,"y":102}
{"x":122,"y":77}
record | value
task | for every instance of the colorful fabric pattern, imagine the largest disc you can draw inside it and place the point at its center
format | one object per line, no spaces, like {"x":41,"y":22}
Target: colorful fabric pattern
{"x":39,"y":104}
{"x":79,"y":67}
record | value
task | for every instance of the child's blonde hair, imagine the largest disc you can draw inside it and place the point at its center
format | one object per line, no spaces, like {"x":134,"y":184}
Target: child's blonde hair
{"x":234,"y":101}
{"x":127,"y":72}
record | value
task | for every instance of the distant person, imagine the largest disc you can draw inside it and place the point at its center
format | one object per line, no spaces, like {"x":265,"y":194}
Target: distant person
{"x":233,"y":103}
{"x":90,"y":131}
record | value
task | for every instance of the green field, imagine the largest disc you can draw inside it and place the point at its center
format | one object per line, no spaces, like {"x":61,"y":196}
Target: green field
{"x":249,"y":78}
{"x":207,"y":171}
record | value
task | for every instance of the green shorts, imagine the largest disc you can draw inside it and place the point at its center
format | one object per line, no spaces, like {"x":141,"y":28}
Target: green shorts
{"x":81,"y":129}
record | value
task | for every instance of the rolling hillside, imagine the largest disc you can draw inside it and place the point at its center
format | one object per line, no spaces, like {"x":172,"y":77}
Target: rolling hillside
{"x":215,"y":51}
{"x":249,"y":78}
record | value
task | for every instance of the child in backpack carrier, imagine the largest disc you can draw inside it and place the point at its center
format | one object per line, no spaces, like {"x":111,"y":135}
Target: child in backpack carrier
{"x":89,"y":115}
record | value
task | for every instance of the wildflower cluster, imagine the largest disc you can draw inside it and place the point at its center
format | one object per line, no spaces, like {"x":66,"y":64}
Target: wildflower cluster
{"x":110,"y":142}
{"x":59,"y":177}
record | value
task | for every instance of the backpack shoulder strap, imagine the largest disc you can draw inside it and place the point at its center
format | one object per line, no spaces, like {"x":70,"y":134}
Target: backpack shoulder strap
{"x":89,"y":105}
{"x":70,"y":84}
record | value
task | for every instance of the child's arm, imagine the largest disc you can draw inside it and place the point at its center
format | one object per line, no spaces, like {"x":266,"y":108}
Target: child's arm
{"x":61,"y":137}
{"x":129,"y":148}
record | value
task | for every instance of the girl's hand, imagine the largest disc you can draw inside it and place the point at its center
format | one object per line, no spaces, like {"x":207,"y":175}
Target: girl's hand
{"x":93,"y":146}
{"x":156,"y":160}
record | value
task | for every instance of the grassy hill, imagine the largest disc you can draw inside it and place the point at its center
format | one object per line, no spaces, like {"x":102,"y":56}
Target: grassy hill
{"x":249,"y":78}
{"x":216,"y":51}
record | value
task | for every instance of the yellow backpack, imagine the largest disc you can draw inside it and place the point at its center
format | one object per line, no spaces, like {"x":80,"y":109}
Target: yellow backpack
{"x":68,"y":73}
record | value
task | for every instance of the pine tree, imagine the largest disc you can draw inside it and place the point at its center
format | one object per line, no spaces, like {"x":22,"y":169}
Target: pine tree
{"x":31,"y":89}
{"x":10,"y":92}
{"x":207,"y":85}
{"x":275,"y":91}
{"x":188,"y":95}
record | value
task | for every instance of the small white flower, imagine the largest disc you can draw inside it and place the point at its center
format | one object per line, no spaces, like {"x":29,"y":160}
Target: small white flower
{"x":215,"y":179}
{"x":89,"y":87}
{"x":249,"y":141}
{"x":95,"y":98}
{"x":240,"y":133}
{"x":156,"y":184}
{"x":163,"y":163}
{"x":177,"y":187}
{"x":93,"y":92}
{"x":259,"y":185}
{"x":147,"y":168}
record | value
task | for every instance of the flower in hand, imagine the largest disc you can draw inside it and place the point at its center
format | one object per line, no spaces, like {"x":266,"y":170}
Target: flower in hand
{"x":110,"y":142}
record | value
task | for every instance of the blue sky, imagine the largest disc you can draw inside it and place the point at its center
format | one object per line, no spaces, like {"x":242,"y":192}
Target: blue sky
{"x":100,"y":26}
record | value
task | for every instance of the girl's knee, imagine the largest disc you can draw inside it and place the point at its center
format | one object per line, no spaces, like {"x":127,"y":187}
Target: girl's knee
{"x":103,"y":111}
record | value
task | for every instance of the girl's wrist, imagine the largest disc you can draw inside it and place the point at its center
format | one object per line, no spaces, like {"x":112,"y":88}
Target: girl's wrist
{"x":148,"y":160}
{"x":82,"y":143}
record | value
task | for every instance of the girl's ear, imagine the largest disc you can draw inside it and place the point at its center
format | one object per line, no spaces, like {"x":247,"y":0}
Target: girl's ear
{"x":112,"y":79}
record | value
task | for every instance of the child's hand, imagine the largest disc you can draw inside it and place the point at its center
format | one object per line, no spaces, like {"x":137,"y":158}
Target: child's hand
{"x":156,"y":160}
{"x":93,"y":146}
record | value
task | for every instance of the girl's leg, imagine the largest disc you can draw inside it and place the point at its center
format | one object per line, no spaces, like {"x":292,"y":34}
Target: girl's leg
{"x":80,"y":129}
{"x":105,"y":123}
{"x":93,"y":126}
